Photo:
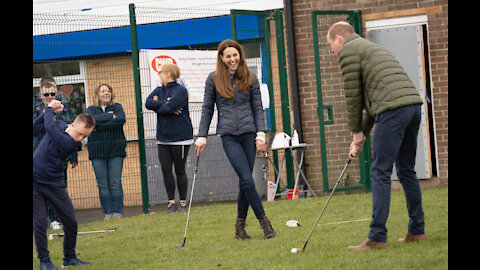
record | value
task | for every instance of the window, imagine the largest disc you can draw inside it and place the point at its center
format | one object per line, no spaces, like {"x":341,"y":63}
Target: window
{"x":70,"y":78}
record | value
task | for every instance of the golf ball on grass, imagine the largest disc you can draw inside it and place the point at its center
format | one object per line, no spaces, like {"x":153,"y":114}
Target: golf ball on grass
{"x":294,"y":250}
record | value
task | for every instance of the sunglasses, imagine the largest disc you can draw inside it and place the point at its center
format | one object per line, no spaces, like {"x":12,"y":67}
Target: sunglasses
{"x":49,"y":94}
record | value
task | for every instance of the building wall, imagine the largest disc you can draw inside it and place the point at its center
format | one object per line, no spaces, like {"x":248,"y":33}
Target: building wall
{"x":437,"y":12}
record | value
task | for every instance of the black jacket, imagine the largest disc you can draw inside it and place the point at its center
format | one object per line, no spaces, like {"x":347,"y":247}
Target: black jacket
{"x":170,"y":126}
{"x":107,"y":139}
{"x":242,"y":114}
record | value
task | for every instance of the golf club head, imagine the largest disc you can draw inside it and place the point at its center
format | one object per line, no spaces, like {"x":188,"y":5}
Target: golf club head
{"x":182,"y":245}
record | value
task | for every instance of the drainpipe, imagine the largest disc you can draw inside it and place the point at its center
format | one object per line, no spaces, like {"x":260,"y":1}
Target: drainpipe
{"x":292,"y":68}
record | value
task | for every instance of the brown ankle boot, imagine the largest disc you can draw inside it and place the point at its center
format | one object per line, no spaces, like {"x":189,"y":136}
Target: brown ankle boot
{"x":267,"y":228}
{"x":240,"y":232}
{"x":410,"y":237}
{"x":367,"y":244}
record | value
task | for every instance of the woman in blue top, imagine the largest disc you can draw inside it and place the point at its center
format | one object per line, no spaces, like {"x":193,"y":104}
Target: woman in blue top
{"x":106,"y":149}
{"x":174,"y":132}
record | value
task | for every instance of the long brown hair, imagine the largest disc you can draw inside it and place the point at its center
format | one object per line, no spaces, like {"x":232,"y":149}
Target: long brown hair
{"x":222,"y":74}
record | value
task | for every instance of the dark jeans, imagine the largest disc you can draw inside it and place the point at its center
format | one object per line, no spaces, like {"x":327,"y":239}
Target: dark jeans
{"x":240,"y":150}
{"x":58,"y":197}
{"x":109,"y":180}
{"x":395,"y":141}
{"x":174,"y":155}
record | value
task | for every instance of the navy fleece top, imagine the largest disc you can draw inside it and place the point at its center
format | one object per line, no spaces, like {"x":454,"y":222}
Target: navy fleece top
{"x":170,"y":126}
{"x":108,"y":139}
{"x":54,"y":148}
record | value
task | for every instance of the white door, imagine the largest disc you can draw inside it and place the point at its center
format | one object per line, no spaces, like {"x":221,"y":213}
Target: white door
{"x":406,"y":44}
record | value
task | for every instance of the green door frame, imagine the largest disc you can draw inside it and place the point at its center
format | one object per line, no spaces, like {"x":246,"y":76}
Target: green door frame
{"x":354,"y":17}
{"x":282,"y":71}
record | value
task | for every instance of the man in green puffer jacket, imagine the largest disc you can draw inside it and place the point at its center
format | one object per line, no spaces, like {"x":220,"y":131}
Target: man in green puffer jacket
{"x":378,"y":91}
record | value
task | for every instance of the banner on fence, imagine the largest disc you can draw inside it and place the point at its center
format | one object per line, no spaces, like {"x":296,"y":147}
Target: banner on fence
{"x":195,"y":65}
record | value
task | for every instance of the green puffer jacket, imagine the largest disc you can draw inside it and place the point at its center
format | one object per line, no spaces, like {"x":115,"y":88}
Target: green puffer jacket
{"x":374,"y":82}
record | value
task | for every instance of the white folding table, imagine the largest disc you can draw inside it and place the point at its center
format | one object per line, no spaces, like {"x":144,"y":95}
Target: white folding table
{"x":300,"y":147}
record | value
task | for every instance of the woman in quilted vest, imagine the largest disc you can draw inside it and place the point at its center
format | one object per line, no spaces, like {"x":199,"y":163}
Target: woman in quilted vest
{"x":241,"y":124}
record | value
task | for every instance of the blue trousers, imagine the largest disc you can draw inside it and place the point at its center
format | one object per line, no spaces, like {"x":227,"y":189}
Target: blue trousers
{"x":240,"y":150}
{"x":61,"y":202}
{"x":395,"y":141}
{"x":109,"y":179}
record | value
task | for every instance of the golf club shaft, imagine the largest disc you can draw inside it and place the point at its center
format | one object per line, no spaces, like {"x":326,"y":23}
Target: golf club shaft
{"x":88,"y":232}
{"x":326,"y":203}
{"x":191,"y":196}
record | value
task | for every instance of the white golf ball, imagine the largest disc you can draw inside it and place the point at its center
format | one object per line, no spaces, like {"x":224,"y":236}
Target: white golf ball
{"x":294,"y":250}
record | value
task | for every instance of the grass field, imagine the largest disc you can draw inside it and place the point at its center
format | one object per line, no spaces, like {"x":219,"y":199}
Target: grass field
{"x":148,"y":241}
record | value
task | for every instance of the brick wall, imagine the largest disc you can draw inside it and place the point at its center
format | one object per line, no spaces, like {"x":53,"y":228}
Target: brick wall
{"x":437,"y":13}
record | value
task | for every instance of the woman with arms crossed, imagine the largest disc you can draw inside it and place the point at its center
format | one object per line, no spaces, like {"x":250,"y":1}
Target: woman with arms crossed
{"x":174,"y":132}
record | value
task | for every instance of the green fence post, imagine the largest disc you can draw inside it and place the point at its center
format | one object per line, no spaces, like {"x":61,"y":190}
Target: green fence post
{"x":233,"y":25}
{"x":285,"y":100}
{"x":138,"y":103}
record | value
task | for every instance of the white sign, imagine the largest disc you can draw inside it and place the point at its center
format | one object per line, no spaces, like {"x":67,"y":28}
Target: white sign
{"x":265,"y":96}
{"x":194,"y":67}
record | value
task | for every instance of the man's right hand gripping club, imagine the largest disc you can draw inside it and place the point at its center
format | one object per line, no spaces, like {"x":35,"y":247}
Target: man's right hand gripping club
{"x":356,"y":146}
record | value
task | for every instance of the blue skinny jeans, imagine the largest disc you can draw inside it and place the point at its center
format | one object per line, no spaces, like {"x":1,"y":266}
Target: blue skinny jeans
{"x":240,"y":150}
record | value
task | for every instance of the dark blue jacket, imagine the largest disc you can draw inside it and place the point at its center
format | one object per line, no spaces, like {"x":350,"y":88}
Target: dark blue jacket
{"x":107,"y":139}
{"x":52,"y":151}
{"x":170,"y":126}
{"x":241,"y":114}
{"x":65,"y":116}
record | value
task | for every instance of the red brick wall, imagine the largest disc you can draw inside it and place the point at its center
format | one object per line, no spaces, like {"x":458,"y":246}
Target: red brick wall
{"x":437,"y":13}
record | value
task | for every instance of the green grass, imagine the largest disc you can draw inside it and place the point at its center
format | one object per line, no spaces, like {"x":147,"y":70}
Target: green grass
{"x":148,"y":241}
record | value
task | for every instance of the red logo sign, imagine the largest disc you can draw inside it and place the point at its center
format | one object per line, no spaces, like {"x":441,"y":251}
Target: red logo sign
{"x":67,"y":89}
{"x":158,"y":61}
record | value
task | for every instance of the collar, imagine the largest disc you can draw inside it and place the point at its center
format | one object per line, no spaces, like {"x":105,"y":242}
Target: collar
{"x":352,"y":37}
{"x":170,"y":84}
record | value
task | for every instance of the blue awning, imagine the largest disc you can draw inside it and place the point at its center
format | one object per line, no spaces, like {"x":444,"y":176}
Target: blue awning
{"x":99,"y":42}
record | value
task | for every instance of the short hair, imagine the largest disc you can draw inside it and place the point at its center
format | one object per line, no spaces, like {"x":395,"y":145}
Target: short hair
{"x":340,"y":28}
{"x":47,"y":85}
{"x":96,"y":99}
{"x":48,"y":79}
{"x":173,"y":69}
{"x":85,"y":118}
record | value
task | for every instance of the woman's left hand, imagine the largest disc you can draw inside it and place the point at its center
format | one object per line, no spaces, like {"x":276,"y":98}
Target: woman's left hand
{"x":260,"y":145}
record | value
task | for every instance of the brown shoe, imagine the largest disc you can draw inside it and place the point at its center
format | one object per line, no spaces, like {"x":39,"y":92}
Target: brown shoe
{"x":240,"y":232}
{"x":267,"y":228}
{"x":410,"y":237}
{"x":367,"y":244}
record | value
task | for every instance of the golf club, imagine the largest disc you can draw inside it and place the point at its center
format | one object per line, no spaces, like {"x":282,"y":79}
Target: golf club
{"x":325,"y":206}
{"x":50,"y":236}
{"x":190,"y":203}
